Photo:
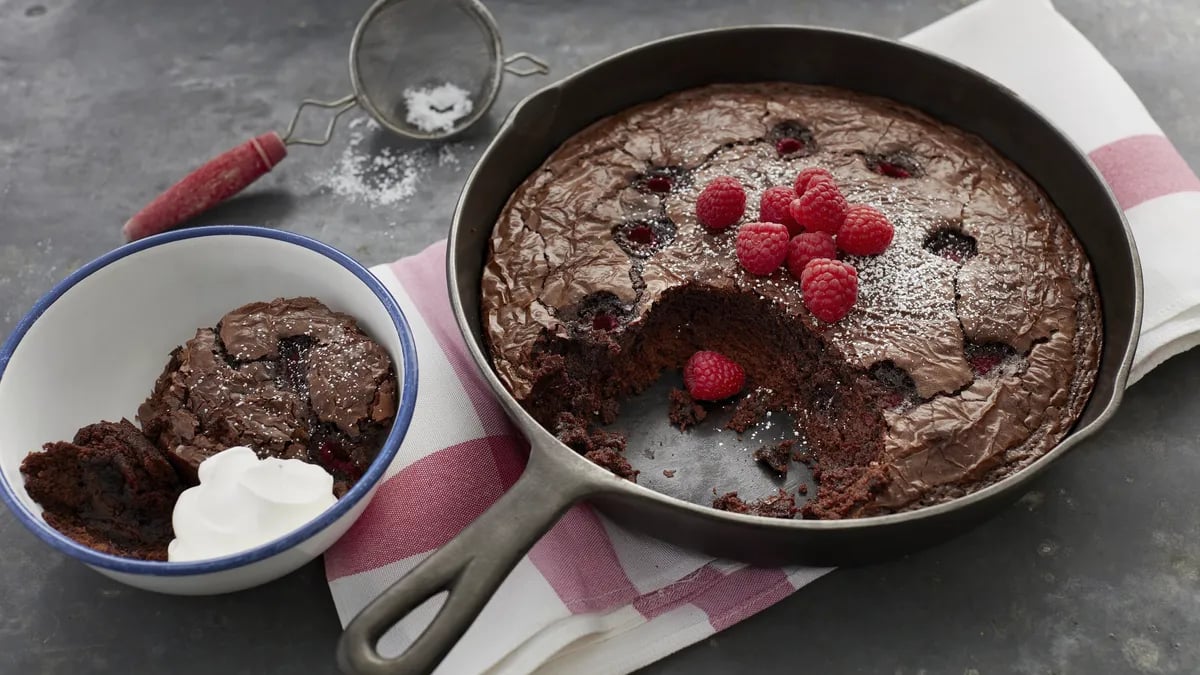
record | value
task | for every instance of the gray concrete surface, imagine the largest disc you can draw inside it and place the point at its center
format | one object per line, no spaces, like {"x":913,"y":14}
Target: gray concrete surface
{"x":105,"y":102}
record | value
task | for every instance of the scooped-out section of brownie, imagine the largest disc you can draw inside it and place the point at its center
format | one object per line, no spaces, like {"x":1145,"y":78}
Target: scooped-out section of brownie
{"x":109,"y":489}
{"x":289,"y":378}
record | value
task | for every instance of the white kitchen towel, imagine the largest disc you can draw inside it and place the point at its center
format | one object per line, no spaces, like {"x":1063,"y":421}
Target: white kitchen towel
{"x":1030,"y":48}
{"x":592,"y":597}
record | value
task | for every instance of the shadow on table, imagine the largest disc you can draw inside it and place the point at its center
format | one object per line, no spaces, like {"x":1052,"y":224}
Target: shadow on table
{"x":269,"y":630}
{"x":266,"y":208}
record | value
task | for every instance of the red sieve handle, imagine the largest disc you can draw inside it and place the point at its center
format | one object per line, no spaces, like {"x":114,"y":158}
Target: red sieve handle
{"x":215,"y":181}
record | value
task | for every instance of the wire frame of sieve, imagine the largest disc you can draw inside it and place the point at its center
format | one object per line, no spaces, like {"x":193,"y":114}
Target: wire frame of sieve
{"x":496,"y":66}
{"x":521,"y":64}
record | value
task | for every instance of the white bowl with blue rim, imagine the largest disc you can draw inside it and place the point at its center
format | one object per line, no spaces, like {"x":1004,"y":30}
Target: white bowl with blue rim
{"x":92,"y":347}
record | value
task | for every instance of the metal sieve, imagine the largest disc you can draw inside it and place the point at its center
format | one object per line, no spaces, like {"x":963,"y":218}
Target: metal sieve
{"x":423,"y":69}
{"x":393,"y":37}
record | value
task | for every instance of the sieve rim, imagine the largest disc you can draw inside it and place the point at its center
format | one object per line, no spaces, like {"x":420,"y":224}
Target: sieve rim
{"x":484,"y":18}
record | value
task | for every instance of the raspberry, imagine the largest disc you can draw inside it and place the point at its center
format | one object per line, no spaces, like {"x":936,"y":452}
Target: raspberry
{"x":762,"y":247}
{"x":829,"y":287}
{"x":820,"y":208}
{"x":642,"y":234}
{"x":335,"y":459}
{"x":721,"y":203}
{"x":805,"y":247}
{"x":658,"y":184}
{"x":984,"y":358}
{"x":985,"y":363}
{"x":775,"y":207}
{"x":808,"y":175}
{"x":788,"y":146}
{"x":604,"y":322}
{"x":865,"y":231}
{"x":893,"y":170}
{"x":894,"y":165}
{"x":712,"y":376}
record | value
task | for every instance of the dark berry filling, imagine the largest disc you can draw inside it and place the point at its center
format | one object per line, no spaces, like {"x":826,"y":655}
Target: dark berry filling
{"x":793,"y":139}
{"x":951,"y":244}
{"x":642,"y":234}
{"x":897,"y":387}
{"x":658,"y":184}
{"x":332,"y":455}
{"x":659,"y":181}
{"x":604,"y":321}
{"x":894,"y":165}
{"x":602,"y":312}
{"x":641,"y":238}
{"x":985,"y":358}
{"x":293,"y":361}
{"x":787,"y":146}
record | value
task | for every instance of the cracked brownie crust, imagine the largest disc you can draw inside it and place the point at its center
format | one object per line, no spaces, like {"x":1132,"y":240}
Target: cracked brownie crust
{"x":289,"y":378}
{"x":971,"y":351}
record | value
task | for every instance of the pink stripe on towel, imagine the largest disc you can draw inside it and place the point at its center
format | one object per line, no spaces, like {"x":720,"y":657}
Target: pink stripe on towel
{"x":1140,"y":168}
{"x":423,"y":506}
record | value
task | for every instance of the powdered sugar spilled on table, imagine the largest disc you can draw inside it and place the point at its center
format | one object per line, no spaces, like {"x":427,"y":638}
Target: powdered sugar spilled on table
{"x":386,"y":176}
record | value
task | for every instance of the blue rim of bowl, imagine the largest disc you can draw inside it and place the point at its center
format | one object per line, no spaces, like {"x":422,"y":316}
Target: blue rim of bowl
{"x":408,"y":397}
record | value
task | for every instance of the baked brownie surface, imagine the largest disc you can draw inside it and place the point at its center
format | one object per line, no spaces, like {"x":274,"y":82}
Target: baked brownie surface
{"x":110,"y":489}
{"x":970,"y":352}
{"x":289,"y":378}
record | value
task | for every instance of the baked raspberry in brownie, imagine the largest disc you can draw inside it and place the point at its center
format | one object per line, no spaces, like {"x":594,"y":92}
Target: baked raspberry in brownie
{"x":970,"y":348}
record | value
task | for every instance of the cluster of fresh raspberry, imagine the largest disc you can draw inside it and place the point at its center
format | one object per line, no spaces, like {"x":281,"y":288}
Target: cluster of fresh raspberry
{"x":803,"y":226}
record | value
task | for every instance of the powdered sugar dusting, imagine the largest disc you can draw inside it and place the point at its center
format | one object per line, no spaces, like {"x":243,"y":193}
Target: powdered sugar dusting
{"x":906,"y":301}
{"x":386,"y":177}
{"x":906,"y":291}
{"x":437,"y":108}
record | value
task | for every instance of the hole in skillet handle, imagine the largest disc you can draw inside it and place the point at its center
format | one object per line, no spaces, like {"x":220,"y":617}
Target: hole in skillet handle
{"x":469,"y":569}
{"x":400,"y":635}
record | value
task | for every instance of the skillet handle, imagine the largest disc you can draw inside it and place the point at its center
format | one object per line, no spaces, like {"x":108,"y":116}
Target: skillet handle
{"x":470,"y":567}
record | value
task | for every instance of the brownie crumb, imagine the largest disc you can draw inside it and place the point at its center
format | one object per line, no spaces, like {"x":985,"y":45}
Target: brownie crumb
{"x":685,"y":411}
{"x":614,"y":461}
{"x":669,"y":473}
{"x":575,"y":434}
{"x":109,"y":489}
{"x":604,"y":448}
{"x":837,"y":489}
{"x":775,"y":456}
{"x":778,"y":505}
{"x":749,"y":411}
{"x":730,"y":501}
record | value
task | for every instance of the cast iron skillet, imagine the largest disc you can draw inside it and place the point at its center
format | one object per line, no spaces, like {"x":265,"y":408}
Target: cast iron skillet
{"x":473,"y":565}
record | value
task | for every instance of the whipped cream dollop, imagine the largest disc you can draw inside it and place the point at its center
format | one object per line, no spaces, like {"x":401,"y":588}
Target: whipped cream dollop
{"x":243,"y":501}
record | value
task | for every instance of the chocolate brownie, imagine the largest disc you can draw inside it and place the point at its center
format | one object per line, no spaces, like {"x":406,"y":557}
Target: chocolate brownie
{"x":289,"y":378}
{"x":972,"y":348}
{"x":110,"y":489}
{"x":685,"y":411}
{"x":776,"y":455}
{"x":779,"y":505}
